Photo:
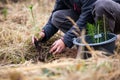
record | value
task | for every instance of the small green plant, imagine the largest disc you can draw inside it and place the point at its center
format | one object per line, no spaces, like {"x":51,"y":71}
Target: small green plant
{"x":32,"y":14}
{"x":35,"y":29}
{"x":91,"y":31}
{"x":96,"y":31}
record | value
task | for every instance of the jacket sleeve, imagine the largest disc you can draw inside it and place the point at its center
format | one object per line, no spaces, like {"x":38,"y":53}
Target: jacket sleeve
{"x":86,"y":16}
{"x":50,"y":29}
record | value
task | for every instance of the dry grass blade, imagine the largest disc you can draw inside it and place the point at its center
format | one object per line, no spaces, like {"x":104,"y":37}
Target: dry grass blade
{"x":84,"y":42}
{"x":77,"y":30}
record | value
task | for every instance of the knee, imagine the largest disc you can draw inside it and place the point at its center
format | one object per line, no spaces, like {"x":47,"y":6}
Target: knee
{"x":101,"y":5}
{"x":57,"y":18}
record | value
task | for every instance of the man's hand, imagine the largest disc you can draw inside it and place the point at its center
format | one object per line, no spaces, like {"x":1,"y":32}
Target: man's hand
{"x":34,"y":38}
{"x":57,"y":47}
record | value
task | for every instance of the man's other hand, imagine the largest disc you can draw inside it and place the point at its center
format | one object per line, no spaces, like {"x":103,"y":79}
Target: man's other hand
{"x":57,"y":47}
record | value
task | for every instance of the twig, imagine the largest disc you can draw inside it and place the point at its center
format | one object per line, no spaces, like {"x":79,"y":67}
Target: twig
{"x":105,"y":28}
{"x":75,"y":25}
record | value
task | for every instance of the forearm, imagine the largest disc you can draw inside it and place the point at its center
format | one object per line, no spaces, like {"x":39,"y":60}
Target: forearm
{"x":68,"y":38}
{"x":49,"y":31}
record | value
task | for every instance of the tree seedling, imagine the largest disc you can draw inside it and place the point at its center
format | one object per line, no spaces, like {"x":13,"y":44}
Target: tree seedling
{"x":91,"y":31}
{"x":97,"y":31}
{"x":32,"y":14}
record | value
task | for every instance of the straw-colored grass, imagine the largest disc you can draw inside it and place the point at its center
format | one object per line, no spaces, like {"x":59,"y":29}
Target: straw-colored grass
{"x":17,"y":54}
{"x":17,"y":29}
{"x":64,"y":69}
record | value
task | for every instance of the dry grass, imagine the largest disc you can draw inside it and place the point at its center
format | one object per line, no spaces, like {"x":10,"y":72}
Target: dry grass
{"x":64,"y":69}
{"x":16,"y":30}
{"x":17,"y":53}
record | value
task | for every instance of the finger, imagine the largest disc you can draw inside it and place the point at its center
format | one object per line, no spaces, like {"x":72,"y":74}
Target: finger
{"x":42,"y":34}
{"x":58,"y":50}
{"x":53,"y":48}
{"x":53,"y":44}
{"x":34,"y":39}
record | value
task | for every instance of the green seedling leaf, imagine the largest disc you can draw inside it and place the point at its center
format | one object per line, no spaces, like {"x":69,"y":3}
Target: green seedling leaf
{"x":97,"y":29}
{"x":31,"y":7}
{"x":91,"y":31}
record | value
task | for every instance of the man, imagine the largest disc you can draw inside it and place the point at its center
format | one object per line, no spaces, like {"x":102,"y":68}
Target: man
{"x":81,"y":12}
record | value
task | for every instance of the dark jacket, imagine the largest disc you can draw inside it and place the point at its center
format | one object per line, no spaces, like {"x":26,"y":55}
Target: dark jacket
{"x":82,"y":7}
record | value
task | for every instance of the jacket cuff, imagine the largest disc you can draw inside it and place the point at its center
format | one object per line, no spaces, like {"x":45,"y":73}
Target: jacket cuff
{"x":44,"y":39}
{"x":67,"y":42}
